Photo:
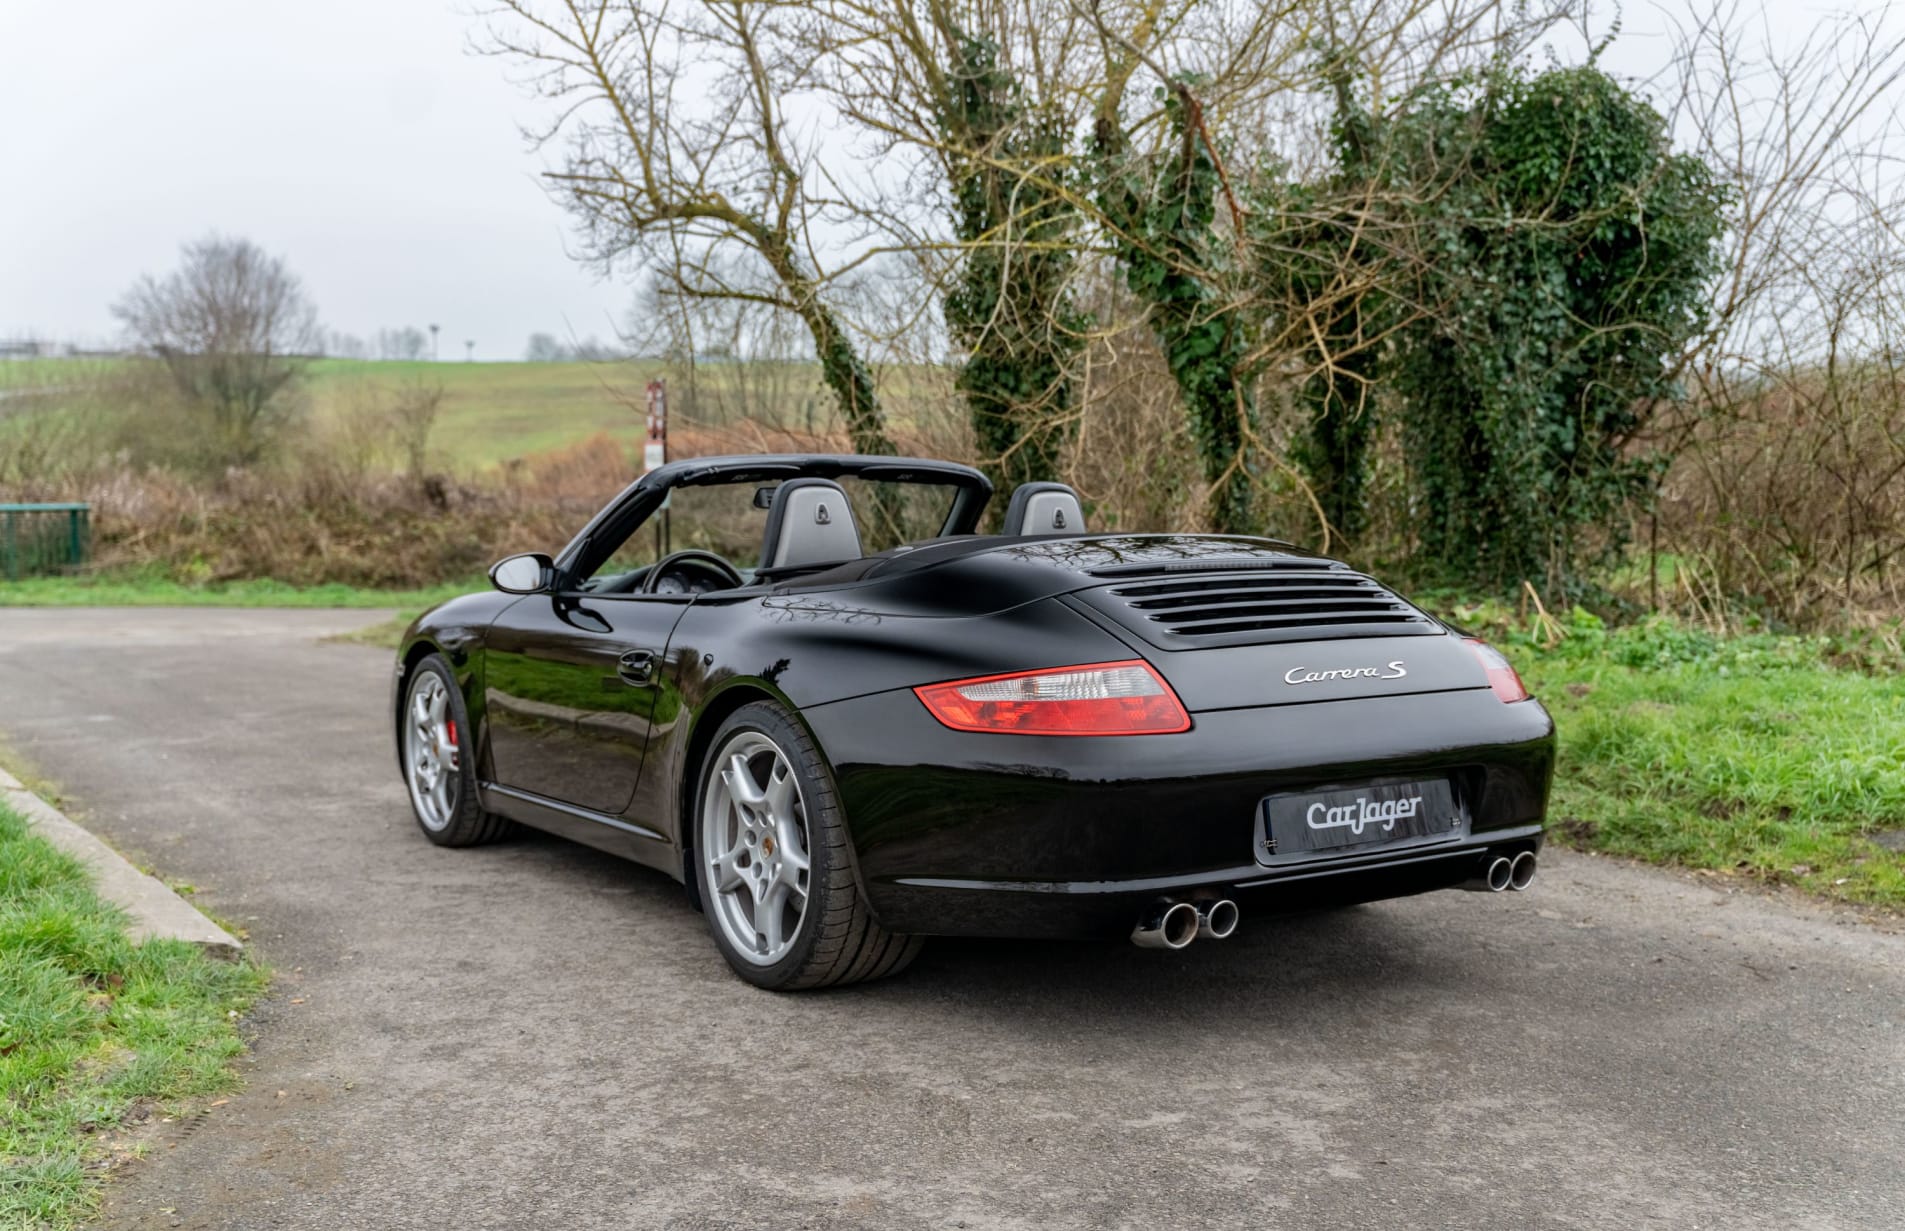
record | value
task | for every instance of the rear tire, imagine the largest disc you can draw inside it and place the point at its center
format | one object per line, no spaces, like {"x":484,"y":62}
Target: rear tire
{"x":433,"y":733}
{"x":772,"y":862}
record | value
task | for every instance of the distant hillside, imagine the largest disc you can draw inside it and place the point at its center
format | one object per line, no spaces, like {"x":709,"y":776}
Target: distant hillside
{"x":496,"y":411}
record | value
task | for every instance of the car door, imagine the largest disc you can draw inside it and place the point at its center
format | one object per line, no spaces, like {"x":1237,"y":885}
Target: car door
{"x":576,"y":685}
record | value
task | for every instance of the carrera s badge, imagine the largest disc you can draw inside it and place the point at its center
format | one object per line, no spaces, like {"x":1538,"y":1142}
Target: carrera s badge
{"x":1388,"y":671}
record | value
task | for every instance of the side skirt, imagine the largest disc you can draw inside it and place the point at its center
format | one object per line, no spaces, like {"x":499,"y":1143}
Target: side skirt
{"x":613,"y":834}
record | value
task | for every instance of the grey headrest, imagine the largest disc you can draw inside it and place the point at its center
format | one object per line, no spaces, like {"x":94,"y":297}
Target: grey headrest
{"x":810,"y":522}
{"x":1044,"y":508}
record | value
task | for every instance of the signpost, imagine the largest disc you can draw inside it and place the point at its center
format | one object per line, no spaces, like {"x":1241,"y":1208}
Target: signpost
{"x":655,"y":452}
{"x":655,"y":456}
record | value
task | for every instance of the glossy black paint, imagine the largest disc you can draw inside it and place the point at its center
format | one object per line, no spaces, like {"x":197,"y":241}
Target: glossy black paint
{"x":592,"y":711}
{"x":1098,"y":827}
{"x":573,"y":694}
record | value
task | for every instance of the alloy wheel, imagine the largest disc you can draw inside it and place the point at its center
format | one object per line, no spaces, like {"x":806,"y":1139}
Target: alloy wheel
{"x":754,"y":840}
{"x":433,"y":761}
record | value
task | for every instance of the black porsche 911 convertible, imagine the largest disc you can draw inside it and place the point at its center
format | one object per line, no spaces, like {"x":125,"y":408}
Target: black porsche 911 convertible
{"x":806,"y":687}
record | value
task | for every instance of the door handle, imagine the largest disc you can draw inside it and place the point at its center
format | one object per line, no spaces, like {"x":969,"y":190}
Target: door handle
{"x":636,"y":667}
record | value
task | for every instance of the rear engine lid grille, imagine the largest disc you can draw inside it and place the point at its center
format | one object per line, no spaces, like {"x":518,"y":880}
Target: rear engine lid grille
{"x":1310,"y":603}
{"x":1275,"y":561}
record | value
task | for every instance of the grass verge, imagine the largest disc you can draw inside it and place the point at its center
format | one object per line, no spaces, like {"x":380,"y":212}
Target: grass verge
{"x":1777,"y":758}
{"x":143,"y":590}
{"x":94,"y":1030}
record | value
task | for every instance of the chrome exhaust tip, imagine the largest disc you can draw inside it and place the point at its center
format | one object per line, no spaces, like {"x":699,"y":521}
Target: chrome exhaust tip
{"x":1168,"y":925}
{"x":1521,"y":873}
{"x":1496,"y":878}
{"x":1216,"y":919}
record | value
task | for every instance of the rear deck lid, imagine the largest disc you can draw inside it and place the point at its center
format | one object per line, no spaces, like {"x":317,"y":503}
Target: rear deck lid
{"x":1287,"y":631}
{"x":1296,"y":673}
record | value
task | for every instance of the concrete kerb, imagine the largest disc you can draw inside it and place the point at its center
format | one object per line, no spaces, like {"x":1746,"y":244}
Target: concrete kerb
{"x":154,"y":909}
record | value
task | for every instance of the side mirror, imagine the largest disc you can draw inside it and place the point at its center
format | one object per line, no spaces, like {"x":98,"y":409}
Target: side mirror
{"x":530,"y":573}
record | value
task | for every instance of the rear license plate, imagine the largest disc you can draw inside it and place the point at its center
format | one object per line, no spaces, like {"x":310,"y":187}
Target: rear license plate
{"x":1359,"y":816}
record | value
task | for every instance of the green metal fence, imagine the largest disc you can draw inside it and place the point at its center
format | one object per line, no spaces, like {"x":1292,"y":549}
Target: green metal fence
{"x":43,"y":538}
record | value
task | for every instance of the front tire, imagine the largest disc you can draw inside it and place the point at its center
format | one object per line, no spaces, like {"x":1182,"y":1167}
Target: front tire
{"x":772,"y":862}
{"x":437,"y":766}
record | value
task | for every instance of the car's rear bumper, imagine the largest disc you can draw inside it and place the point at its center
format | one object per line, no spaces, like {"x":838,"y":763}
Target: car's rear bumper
{"x":1003,"y":835}
{"x":944,"y":907}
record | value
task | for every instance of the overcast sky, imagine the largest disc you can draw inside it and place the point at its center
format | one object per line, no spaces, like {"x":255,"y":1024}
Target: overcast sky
{"x":355,"y":138}
{"x":358,"y":139}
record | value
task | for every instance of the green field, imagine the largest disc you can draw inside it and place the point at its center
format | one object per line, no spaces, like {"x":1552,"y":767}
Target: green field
{"x":491,"y":411}
{"x":40,"y":373}
{"x":496,"y":411}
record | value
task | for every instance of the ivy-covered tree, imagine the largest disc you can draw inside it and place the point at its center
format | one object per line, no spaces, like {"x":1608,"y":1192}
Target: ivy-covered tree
{"x":1322,"y":267}
{"x":1563,"y":254}
{"x":1009,"y":305}
{"x":1161,"y":213}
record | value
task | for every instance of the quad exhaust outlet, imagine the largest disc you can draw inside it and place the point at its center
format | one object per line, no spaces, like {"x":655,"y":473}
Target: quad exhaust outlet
{"x":1504,"y":873}
{"x":1167,"y":925}
{"x":1216,"y":919}
{"x":1173,"y":925}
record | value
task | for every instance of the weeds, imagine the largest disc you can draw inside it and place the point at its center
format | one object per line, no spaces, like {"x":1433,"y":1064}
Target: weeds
{"x":1777,"y":757}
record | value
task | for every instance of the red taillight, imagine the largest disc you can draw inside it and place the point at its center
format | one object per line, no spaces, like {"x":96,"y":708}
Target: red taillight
{"x":1123,"y":698}
{"x":1501,"y":673}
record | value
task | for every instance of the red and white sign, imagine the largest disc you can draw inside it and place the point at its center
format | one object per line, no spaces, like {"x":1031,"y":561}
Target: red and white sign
{"x":655,"y":451}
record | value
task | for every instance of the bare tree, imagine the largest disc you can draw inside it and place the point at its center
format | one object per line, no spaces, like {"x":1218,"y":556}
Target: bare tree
{"x":1789,"y":482}
{"x":543,"y":348}
{"x":342,"y":345}
{"x":234,"y":328}
{"x":680,"y":155}
{"x":740,"y":369}
{"x":406,"y":343}
{"x":413,"y":415}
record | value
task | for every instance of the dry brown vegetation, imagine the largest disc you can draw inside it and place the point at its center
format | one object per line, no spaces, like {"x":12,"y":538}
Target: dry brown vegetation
{"x":1795,"y":499}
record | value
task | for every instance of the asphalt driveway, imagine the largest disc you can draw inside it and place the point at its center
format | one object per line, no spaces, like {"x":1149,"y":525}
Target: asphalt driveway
{"x":534,"y":1035}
